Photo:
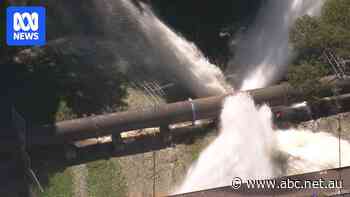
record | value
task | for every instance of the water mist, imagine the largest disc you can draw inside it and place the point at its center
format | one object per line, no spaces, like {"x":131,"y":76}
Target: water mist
{"x":263,"y":52}
{"x":147,"y":49}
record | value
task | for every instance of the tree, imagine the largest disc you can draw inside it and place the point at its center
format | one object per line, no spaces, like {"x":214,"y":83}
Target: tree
{"x":312,"y":36}
{"x":330,"y":30}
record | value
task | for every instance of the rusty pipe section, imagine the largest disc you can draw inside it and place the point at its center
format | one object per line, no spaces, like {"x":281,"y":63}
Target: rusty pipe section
{"x":324,"y":107}
{"x":114,"y":123}
{"x":203,"y":108}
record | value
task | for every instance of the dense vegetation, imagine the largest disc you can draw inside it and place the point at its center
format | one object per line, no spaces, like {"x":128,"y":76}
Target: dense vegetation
{"x":314,"y":37}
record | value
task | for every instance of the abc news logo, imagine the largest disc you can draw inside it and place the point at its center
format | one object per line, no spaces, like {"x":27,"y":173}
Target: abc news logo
{"x":26,"y":26}
{"x":32,"y":25}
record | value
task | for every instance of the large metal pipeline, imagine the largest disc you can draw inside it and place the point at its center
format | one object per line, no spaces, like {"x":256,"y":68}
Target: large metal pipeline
{"x":164,"y":115}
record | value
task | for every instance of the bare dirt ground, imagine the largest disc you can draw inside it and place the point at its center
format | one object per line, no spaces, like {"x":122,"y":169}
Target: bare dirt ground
{"x":161,"y":171}
{"x":79,"y":174}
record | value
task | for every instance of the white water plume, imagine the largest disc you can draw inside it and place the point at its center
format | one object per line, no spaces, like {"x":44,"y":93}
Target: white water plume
{"x":148,"y":49}
{"x":249,"y":147}
{"x":238,"y":148}
{"x":263,"y":53}
{"x":308,"y":151}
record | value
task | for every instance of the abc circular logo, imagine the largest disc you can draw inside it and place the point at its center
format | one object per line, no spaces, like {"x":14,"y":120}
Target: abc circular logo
{"x":26,"y":26}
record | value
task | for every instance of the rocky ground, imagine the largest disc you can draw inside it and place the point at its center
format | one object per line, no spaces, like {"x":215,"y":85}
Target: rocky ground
{"x":333,"y":124}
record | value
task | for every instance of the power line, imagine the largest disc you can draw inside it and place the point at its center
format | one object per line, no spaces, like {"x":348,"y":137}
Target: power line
{"x":339,"y":68}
